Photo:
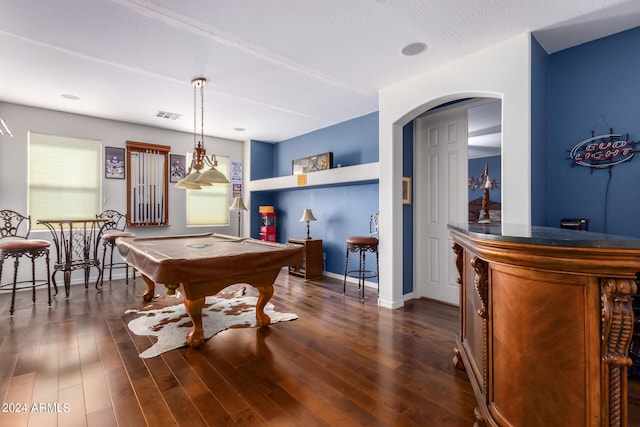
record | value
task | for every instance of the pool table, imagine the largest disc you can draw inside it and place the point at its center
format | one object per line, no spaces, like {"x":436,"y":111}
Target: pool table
{"x":204,"y":264}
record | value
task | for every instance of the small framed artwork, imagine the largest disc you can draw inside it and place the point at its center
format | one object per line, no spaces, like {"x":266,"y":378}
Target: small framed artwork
{"x":406,"y":190}
{"x":177,"y":167}
{"x":317,"y":162}
{"x":114,"y":162}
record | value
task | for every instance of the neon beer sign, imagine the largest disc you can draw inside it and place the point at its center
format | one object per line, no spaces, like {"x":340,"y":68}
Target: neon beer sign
{"x":602,"y":151}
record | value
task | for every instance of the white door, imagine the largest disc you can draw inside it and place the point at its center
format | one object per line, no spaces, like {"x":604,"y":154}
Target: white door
{"x":441,"y":197}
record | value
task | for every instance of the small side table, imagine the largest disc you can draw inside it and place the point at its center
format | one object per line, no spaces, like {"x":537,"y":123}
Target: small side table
{"x":312,"y":263}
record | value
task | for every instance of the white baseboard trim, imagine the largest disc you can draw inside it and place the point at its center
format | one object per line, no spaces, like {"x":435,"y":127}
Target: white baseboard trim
{"x":351,"y":280}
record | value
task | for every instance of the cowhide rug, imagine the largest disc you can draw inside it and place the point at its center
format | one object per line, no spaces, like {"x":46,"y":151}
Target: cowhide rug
{"x":171,"y":324}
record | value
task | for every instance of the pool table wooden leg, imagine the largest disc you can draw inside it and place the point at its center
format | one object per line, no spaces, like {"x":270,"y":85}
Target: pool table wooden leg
{"x":151,"y":289}
{"x":195,"y":338}
{"x":262,"y":319}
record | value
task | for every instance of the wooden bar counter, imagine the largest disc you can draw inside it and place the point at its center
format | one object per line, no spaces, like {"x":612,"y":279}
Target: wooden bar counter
{"x":545,"y":323}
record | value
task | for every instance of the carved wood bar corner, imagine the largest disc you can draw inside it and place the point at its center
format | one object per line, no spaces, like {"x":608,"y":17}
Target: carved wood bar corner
{"x":617,"y":328}
{"x":546,"y":322}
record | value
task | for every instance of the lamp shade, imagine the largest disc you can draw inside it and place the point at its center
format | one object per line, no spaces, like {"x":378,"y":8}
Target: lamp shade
{"x":187,"y":185}
{"x":212,"y":176}
{"x":237,"y":205}
{"x":307,"y":215}
{"x":487,"y":183}
{"x":189,"y":182}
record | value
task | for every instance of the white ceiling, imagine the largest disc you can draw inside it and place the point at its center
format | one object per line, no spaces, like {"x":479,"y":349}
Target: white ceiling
{"x":485,"y":130}
{"x":278,"y":68}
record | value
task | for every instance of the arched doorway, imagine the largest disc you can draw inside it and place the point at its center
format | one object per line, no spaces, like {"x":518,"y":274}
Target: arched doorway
{"x":441,"y":159}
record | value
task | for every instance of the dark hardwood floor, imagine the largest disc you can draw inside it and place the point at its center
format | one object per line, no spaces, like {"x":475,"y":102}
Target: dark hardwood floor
{"x":340,"y":363}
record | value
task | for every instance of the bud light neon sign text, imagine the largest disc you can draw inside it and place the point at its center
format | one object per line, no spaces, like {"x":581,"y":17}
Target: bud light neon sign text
{"x":602,"y":151}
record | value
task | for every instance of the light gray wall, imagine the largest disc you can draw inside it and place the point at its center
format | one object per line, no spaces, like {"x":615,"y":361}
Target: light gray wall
{"x":14,"y":162}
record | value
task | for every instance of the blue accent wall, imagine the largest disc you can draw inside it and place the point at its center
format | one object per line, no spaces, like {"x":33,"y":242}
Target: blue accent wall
{"x":341,"y":210}
{"x":353,"y":142}
{"x":407,"y":212}
{"x":261,"y":160}
{"x":261,"y":168}
{"x":539,"y":165}
{"x":594,"y":86}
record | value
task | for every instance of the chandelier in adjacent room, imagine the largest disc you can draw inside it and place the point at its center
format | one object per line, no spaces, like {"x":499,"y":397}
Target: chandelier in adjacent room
{"x":195,"y":179}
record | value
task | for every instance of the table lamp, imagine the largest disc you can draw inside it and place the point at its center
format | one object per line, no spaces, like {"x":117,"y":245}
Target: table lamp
{"x":238,"y":205}
{"x":307,"y":215}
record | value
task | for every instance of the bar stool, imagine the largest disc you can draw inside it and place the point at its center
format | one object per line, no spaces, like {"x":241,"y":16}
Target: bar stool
{"x":111,"y":231}
{"x":362,"y":245}
{"x":15,"y":243}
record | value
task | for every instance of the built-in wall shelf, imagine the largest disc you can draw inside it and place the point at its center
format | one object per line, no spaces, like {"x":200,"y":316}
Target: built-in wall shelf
{"x":368,"y":172}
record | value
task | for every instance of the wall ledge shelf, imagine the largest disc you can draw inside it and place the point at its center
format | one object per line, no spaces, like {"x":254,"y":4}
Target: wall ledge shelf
{"x":358,"y":174}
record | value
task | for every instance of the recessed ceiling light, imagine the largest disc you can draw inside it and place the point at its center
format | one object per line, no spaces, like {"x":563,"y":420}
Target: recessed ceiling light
{"x":414,"y":49}
{"x":70,"y":96}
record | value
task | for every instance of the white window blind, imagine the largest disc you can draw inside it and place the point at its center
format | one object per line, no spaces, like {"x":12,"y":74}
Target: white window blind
{"x":64,"y":177}
{"x":210,"y":205}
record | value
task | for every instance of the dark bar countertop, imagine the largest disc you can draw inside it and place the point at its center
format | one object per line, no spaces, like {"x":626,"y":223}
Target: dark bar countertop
{"x":549,"y":236}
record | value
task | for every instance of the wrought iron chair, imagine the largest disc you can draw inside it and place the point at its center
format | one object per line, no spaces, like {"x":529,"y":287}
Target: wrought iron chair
{"x":362,"y":245}
{"x":111,"y":231}
{"x":15,"y":243}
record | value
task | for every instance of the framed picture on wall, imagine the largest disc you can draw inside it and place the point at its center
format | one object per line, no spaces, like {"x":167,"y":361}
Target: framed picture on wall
{"x":317,"y":162}
{"x":177,"y":167}
{"x":114,"y":161}
{"x":406,"y":190}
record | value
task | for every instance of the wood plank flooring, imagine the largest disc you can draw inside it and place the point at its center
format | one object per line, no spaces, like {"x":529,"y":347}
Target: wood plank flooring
{"x":341,"y":363}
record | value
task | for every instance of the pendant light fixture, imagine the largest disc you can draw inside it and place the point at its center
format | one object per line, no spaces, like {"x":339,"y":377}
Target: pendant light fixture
{"x":195,"y":179}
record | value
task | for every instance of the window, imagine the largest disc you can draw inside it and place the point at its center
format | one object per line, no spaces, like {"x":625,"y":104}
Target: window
{"x":210,"y":205}
{"x":147,"y":195}
{"x":64,"y":177}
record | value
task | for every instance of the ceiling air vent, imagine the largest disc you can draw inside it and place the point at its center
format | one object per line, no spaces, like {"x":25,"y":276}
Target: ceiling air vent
{"x":167,"y":115}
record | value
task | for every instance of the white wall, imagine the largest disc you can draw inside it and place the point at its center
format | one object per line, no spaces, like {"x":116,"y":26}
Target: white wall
{"x":502,"y":71}
{"x":14,"y":162}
